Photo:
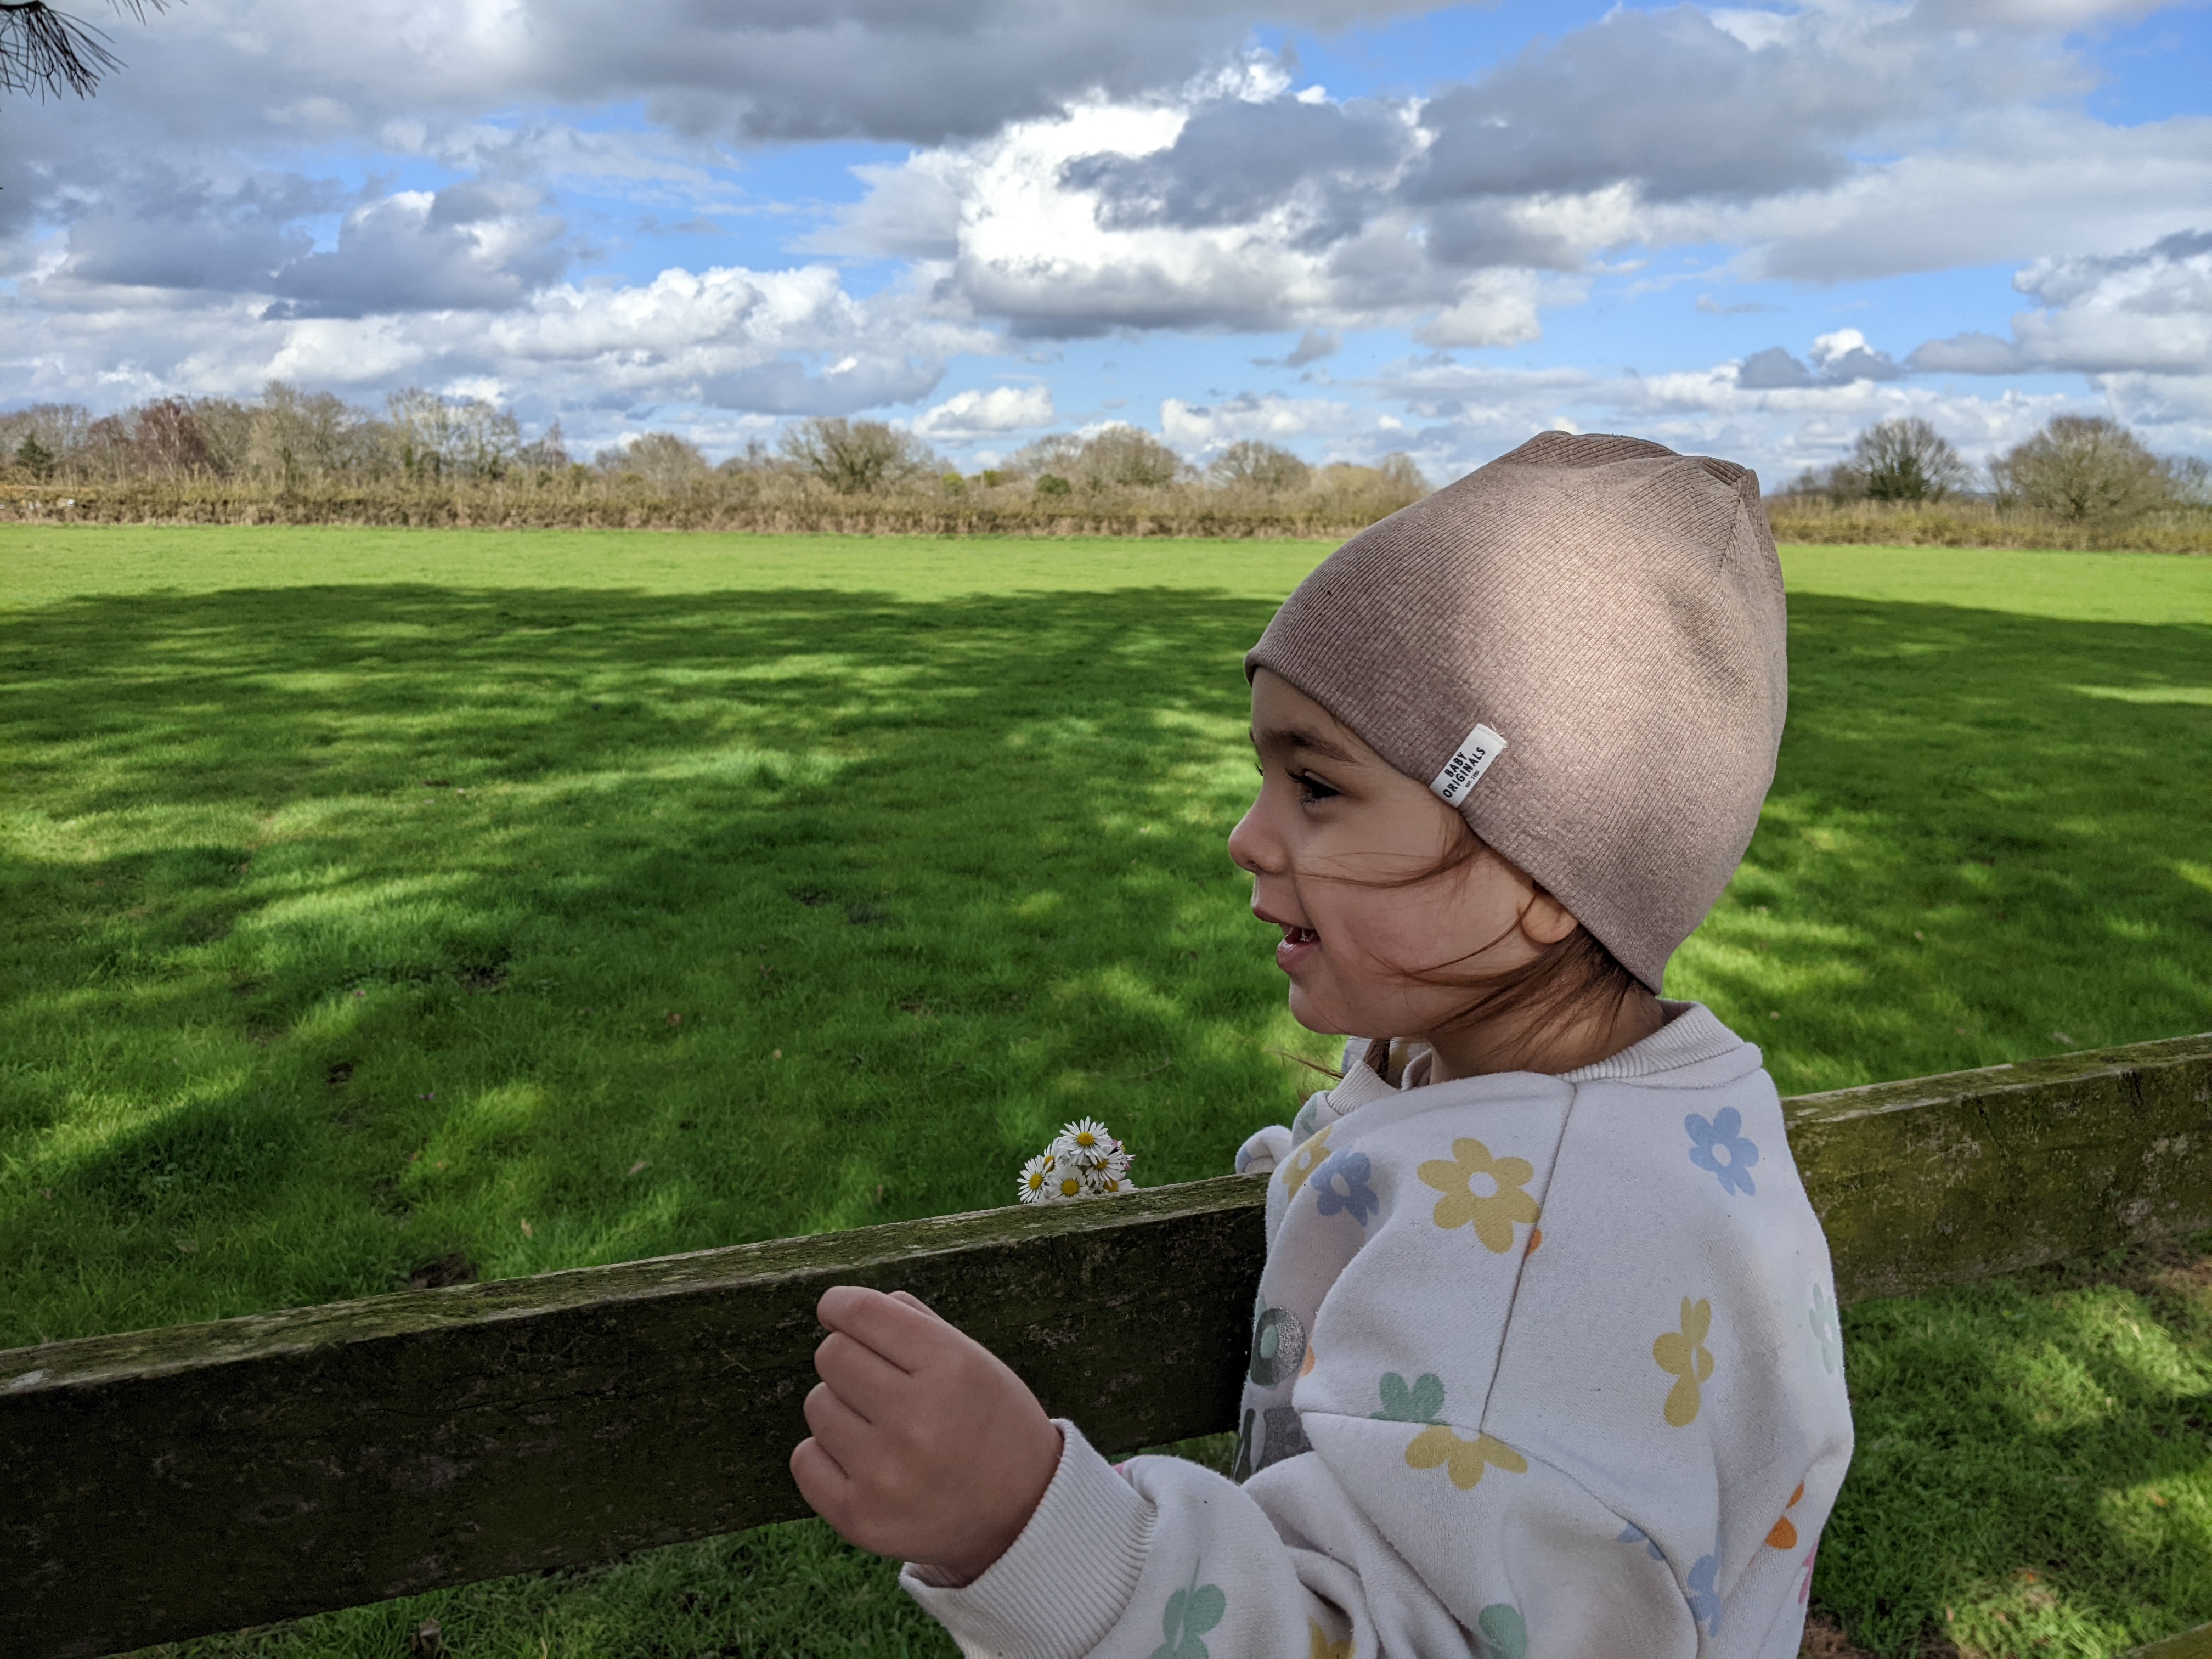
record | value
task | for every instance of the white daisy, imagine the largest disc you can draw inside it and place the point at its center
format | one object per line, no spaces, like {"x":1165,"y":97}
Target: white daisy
{"x":1086,"y":1135}
{"x":1036,"y":1178}
{"x":1068,"y":1186}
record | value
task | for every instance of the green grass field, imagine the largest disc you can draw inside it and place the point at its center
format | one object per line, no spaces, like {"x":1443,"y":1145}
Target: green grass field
{"x":378,"y":900}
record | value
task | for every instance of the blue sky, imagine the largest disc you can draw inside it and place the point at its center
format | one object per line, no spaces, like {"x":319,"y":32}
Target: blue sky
{"x":1347,"y":226}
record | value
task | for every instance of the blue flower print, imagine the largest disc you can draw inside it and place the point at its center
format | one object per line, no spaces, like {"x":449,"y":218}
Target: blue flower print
{"x":1353,"y":1170}
{"x":1632,"y":1533}
{"x":1704,"y":1597}
{"x":1722,"y":1147}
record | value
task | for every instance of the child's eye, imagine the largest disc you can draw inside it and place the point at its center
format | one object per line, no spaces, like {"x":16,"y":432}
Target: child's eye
{"x":1311,"y":788}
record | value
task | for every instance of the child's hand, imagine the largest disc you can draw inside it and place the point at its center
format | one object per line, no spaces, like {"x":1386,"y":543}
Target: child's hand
{"x":925,"y":1446}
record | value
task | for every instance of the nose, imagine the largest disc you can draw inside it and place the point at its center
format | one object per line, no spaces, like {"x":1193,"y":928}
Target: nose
{"x":1252,"y":847}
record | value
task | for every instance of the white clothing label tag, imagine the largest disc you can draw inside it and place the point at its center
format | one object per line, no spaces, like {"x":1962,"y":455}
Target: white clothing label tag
{"x":1465,"y":769}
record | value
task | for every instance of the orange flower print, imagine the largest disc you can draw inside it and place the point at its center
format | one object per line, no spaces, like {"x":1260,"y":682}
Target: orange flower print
{"x":1783,"y":1534}
{"x":1318,"y":1646}
{"x":1464,"y":1460}
{"x":1482,"y":1189}
{"x":1311,"y":1155}
{"x":1683,"y":1355}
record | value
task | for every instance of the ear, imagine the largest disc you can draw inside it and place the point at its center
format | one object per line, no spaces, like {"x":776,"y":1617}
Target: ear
{"x":1545,"y":919}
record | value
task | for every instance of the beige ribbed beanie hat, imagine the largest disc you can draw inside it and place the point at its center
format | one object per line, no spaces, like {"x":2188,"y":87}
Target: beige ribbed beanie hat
{"x":1582,"y":643}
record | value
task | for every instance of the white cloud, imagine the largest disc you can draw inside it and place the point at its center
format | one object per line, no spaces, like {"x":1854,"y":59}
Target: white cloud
{"x":1461,"y":415}
{"x":2145,"y":312}
{"x":790,"y":342}
{"x":1198,"y":430}
{"x":973,"y":414}
{"x":1084,"y":168}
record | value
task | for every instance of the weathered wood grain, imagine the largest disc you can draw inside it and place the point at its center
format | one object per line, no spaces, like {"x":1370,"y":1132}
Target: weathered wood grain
{"x":173,"y":1482}
{"x":1940,"y":1179}
{"x":2189,"y":1645}
{"x":166,"y":1483}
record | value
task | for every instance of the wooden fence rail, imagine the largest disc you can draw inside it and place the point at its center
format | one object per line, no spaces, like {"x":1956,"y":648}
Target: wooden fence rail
{"x":170,"y":1483}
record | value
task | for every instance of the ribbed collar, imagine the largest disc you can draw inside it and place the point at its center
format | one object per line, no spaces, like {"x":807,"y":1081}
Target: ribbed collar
{"x":1693,"y":1033}
{"x":1692,"y":1036}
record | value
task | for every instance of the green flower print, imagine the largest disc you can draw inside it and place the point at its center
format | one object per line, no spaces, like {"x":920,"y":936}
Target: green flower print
{"x":1424,"y":1402}
{"x":1822,"y":1318}
{"x":1504,"y":1633}
{"x":1279,"y":1345}
{"x":1191,"y":1612}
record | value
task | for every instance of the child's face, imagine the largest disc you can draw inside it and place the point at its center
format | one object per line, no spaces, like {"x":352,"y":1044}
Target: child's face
{"x":1332,"y":815}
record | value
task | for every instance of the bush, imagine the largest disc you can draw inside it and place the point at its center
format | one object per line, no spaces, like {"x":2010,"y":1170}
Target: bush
{"x":1051,"y":483}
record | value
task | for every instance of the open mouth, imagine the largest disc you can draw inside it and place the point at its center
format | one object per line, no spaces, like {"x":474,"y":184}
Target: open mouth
{"x":1299,"y":935}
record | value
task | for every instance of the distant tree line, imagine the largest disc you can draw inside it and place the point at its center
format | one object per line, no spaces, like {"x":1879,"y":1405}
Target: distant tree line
{"x":2080,"y":467}
{"x":310,"y":456}
{"x":291,"y":440}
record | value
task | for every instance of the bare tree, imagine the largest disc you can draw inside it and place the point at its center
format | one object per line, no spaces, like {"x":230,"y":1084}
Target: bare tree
{"x":226,"y":429}
{"x":45,"y":50}
{"x":298,"y":435}
{"x":2082,"y":466}
{"x":108,"y":449}
{"x":754,"y":460}
{"x":1125,"y":457}
{"x":666,"y":461}
{"x":856,"y":457}
{"x":167,"y":439}
{"x":1056,"y":452}
{"x":437,"y":435}
{"x":2190,"y":480}
{"x":547,"y":453}
{"x":1901,"y":459}
{"x":1248,"y":463}
{"x":44,"y":438}
{"x":1401,"y":473}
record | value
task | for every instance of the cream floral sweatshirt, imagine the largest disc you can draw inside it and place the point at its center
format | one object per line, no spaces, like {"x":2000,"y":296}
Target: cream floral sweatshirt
{"x":1542,"y":1367}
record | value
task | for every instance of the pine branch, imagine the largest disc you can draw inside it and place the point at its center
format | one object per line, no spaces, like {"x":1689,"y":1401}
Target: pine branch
{"x":45,"y":50}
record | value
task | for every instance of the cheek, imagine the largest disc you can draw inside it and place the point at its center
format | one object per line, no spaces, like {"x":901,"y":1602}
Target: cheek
{"x":1418,"y":927}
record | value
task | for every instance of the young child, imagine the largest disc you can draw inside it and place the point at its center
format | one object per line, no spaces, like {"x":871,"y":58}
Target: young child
{"x":1544,"y":1362}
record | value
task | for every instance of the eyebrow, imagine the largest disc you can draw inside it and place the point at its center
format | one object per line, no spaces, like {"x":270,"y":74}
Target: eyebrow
{"x":1298,"y":738}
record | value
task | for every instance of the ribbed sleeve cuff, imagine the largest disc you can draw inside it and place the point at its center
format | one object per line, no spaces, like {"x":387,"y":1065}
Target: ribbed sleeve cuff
{"x":1063,"y":1584}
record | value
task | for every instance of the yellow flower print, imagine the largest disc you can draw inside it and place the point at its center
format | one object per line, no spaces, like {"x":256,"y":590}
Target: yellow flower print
{"x":1683,"y":1355}
{"x":1318,"y":1645}
{"x":1304,"y":1161}
{"x":1493,"y":1212}
{"x":1463,"y":1459}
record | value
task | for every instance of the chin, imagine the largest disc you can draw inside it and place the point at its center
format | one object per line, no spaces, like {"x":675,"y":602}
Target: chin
{"x":1306,"y":1009}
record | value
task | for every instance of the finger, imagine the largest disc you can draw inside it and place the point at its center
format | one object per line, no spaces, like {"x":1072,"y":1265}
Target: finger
{"x":843,"y":1432}
{"x":862,"y":1379}
{"x":900,"y":1334}
{"x":822,"y":1480}
{"x":915,"y":1302}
